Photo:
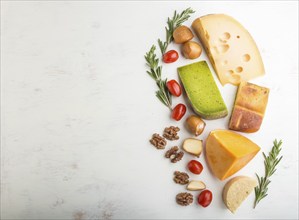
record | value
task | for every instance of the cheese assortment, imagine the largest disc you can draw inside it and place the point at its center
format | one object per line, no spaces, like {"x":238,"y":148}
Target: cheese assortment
{"x":227,"y":152}
{"x":249,"y":108}
{"x":230,"y":48}
{"x":236,"y":59}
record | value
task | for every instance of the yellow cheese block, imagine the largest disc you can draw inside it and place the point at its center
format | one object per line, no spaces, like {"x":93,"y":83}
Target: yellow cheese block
{"x":227,"y":152}
{"x":249,"y":109}
{"x":231,"y":49}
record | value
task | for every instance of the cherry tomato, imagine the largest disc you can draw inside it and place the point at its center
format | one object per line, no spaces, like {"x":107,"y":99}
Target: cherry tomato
{"x":205,"y":198}
{"x":171,"y":56}
{"x":174,"y":88}
{"x":178,"y":112}
{"x":195,"y":167}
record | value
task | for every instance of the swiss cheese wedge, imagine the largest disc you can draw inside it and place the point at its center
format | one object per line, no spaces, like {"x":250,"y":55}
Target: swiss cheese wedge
{"x":231,"y":49}
{"x":227,"y":152}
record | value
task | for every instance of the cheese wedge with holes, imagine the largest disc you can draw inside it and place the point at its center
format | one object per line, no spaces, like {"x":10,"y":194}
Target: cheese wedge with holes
{"x":249,"y":109}
{"x":236,"y":191}
{"x":227,"y":152}
{"x":231,"y":49}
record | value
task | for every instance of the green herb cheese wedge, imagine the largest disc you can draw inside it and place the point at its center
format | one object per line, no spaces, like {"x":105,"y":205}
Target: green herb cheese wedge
{"x":202,"y":90}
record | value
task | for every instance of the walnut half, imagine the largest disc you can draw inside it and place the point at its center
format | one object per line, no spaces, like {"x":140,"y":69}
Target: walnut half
{"x":184,"y":199}
{"x":174,"y":154}
{"x":158,"y":141}
{"x":181,"y":177}
{"x":171,"y":133}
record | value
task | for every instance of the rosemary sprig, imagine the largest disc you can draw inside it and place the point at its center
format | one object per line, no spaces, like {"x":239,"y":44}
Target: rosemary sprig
{"x":155,"y":72}
{"x":270,"y":163}
{"x":172,"y":24}
{"x":153,"y":62}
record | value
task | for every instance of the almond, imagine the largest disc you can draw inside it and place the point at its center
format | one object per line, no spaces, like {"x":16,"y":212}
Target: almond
{"x":195,"y":185}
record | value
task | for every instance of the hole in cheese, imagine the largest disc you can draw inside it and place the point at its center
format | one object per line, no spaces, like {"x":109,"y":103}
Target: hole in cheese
{"x":223,"y":48}
{"x":229,"y":73}
{"x":214,"y":50}
{"x":246,"y":57}
{"x":225,"y":36}
{"x":224,"y":62}
{"x":235,"y":78}
{"x":222,"y":41}
{"x":239,"y":69}
{"x":238,"y":36}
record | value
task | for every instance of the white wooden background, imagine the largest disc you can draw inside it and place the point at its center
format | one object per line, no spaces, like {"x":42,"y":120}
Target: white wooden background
{"x":77,"y":111}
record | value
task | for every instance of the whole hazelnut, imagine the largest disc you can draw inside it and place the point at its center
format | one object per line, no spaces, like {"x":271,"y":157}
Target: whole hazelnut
{"x":191,"y":50}
{"x":182,"y":34}
{"x":195,"y":124}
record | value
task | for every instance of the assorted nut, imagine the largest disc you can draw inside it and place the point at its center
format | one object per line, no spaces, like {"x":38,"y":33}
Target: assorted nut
{"x":158,"y":141}
{"x":171,"y":133}
{"x":193,"y":146}
{"x":181,"y":178}
{"x":182,"y":34}
{"x":195,"y":185}
{"x":191,"y":50}
{"x":174,"y":154}
{"x":195,"y":125}
{"x":184,"y":198}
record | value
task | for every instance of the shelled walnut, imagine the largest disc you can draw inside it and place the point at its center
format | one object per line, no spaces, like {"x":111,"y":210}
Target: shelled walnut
{"x":174,"y":154}
{"x":184,"y":199}
{"x":158,"y":141}
{"x":171,"y":133}
{"x":181,"y":177}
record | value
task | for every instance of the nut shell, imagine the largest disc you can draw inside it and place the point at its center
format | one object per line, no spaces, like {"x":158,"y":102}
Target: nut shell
{"x":182,"y":34}
{"x":195,"y":125}
{"x":191,"y":50}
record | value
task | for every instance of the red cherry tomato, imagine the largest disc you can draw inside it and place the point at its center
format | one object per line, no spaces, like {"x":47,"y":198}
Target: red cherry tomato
{"x":171,"y":56}
{"x":178,"y":112}
{"x":174,"y":88}
{"x":205,"y":198}
{"x":195,"y":167}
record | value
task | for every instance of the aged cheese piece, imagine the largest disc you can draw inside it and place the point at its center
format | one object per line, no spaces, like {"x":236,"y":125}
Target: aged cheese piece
{"x":236,"y":191}
{"x":249,"y":109}
{"x":202,"y":90}
{"x":227,"y":152}
{"x":231,"y":49}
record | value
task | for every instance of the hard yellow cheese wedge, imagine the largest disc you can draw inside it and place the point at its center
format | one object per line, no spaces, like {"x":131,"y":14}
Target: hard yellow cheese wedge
{"x":231,"y":49}
{"x":227,"y":152}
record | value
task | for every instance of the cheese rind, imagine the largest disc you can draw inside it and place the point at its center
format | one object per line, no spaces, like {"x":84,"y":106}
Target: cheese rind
{"x":249,"y":108}
{"x":231,"y":49}
{"x":227,"y":152}
{"x":202,"y":90}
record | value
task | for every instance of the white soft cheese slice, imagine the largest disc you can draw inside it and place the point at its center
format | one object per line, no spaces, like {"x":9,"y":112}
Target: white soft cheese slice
{"x":231,"y":49}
